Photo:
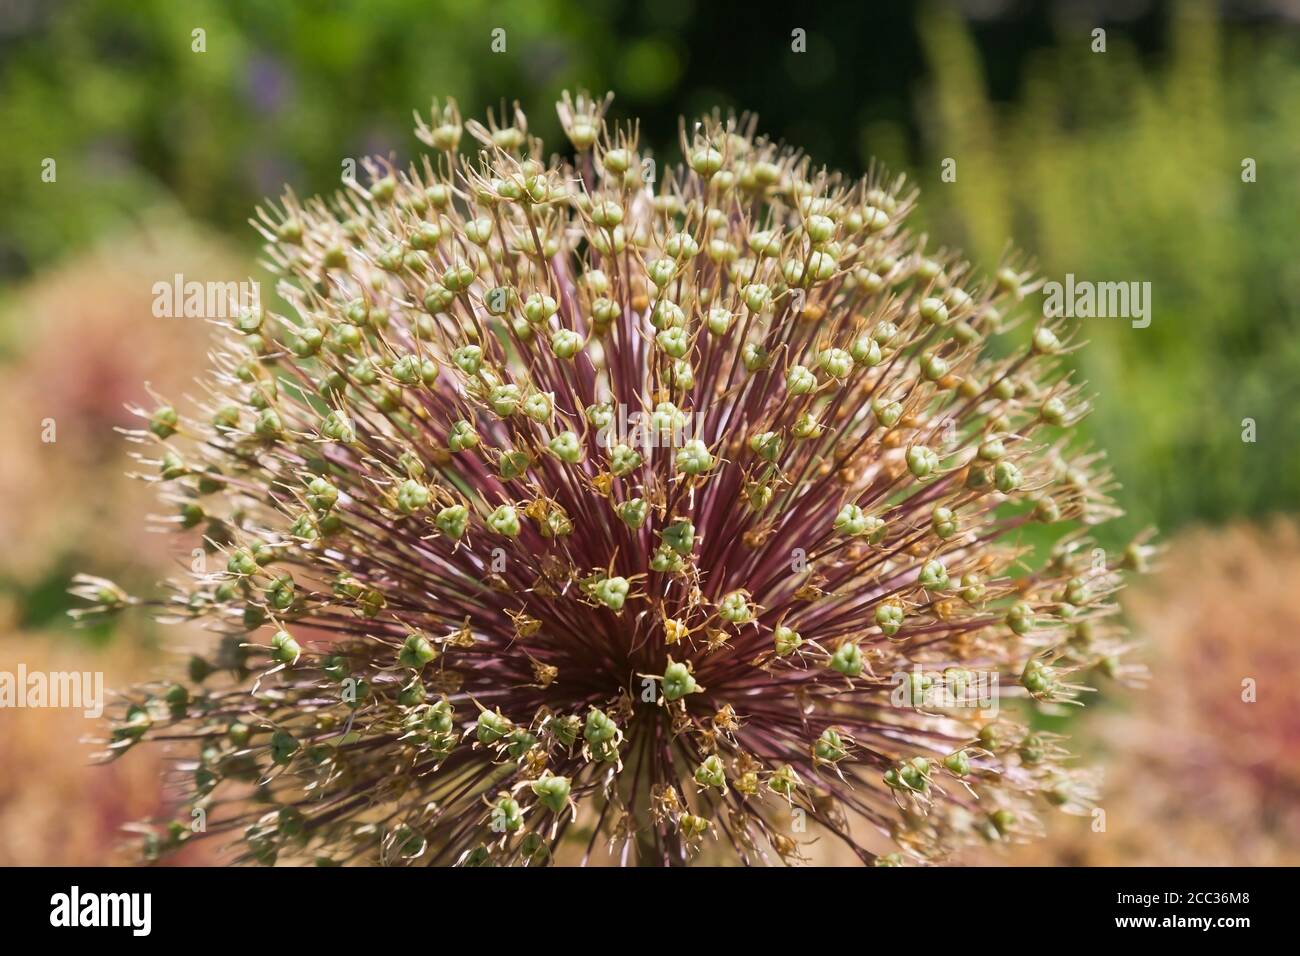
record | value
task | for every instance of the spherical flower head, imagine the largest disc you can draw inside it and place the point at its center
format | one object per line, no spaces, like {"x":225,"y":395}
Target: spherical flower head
{"x":526,"y":438}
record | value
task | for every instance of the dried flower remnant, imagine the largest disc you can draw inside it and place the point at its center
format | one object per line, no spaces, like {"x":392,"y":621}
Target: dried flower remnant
{"x":459,"y":623}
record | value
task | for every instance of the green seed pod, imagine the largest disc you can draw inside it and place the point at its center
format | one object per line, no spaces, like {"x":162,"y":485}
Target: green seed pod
{"x":958,"y":763}
{"x":933,"y":366}
{"x":633,"y":512}
{"x":172,"y":466}
{"x":889,"y":617}
{"x":674,"y":341}
{"x":1038,"y":678}
{"x":417,"y":651}
{"x":784,"y":781}
{"x":338,"y":427}
{"x":665,"y":560}
{"x":830,"y":746}
{"x":412,"y":370}
{"x":1053,"y":411}
{"x":604,"y":312}
{"x":507,"y":815}
{"x":800,"y":381}
{"x":552,"y":791}
{"x":283,"y":746}
{"x":1020,"y":618}
{"x":504,"y":520}
{"x":163,"y":421}
{"x":504,"y":399}
{"x":887,"y":413}
{"x":284,"y":649}
{"x":539,"y":407}
{"x":280,"y":594}
{"x":767,"y":445}
{"x":678,"y":681}
{"x":611,"y":592}
{"x":1077,"y":592}
{"x":565,"y":344}
{"x":851,"y":521}
{"x":734,"y":608}
{"x":513,"y":464}
{"x":566,"y":446}
{"x":933,"y":311}
{"x":458,"y":277}
{"x":972,"y":587}
{"x":438,"y":298}
{"x":693,"y":458}
{"x":468,"y":358}
{"x":921,"y":461}
{"x":602,"y":736}
{"x":806,"y":426}
{"x":268,"y":425}
{"x":1006,"y":477}
{"x":719,"y":321}
{"x":452,"y":521}
{"x":519,"y":742}
{"x":711,"y":773}
{"x":191,"y":514}
{"x":836,"y":363}
{"x":692,"y":827}
{"x":492,"y":727}
{"x":462,"y":436}
{"x":1045,"y":341}
{"x":680,"y":536}
{"x":847,"y":659}
{"x":786,"y":640}
{"x":865,"y":351}
{"x":933,"y":576}
{"x":943,"y":521}
{"x":242,"y":562}
{"x":754,"y":357}
{"x":411,"y":497}
{"x":321,"y":494}
{"x":623,"y":460}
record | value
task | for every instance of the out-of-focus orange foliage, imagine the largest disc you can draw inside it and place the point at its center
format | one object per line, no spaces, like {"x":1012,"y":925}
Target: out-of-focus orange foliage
{"x":81,"y":341}
{"x":57,"y":808}
{"x":1196,"y":772}
{"x":84,"y":340}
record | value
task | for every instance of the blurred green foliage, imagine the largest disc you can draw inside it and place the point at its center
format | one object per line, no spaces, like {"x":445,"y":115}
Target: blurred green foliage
{"x":283,"y":93}
{"x":1118,"y":170}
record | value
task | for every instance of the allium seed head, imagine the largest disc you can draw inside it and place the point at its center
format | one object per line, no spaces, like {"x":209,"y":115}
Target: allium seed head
{"x":557,"y":499}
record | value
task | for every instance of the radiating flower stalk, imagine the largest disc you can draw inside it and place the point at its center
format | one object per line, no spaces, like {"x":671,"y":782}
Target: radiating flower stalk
{"x":463,"y":618}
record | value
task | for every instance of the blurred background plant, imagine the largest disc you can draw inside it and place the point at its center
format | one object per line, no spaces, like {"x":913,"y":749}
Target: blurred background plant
{"x":1204,"y":766}
{"x":1117,"y":166}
